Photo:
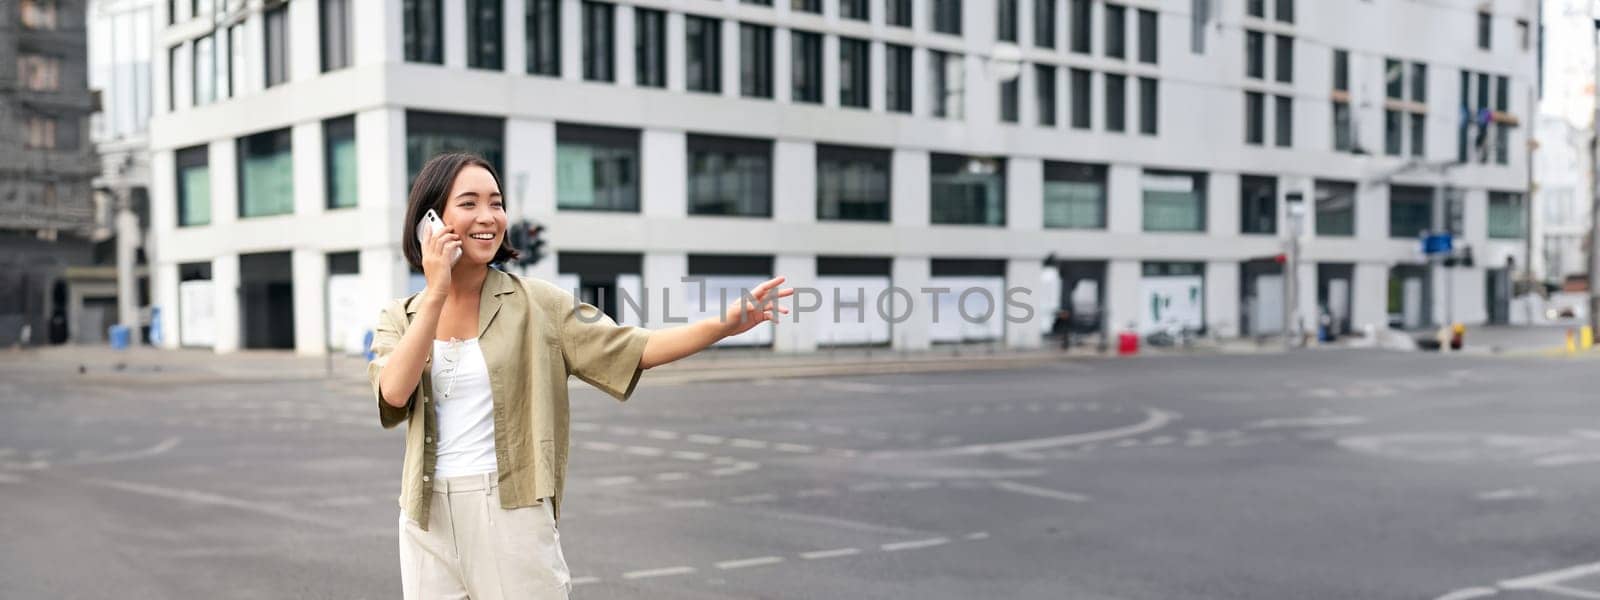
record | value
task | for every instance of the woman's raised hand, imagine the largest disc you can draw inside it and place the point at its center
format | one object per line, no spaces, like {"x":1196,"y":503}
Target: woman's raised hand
{"x":742,"y":315}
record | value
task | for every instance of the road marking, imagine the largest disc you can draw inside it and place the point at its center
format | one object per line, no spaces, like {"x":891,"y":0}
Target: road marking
{"x":980,"y":535}
{"x":1324,"y":421}
{"x":794,"y":448}
{"x":582,"y":426}
{"x":920,"y":485}
{"x":645,"y":451}
{"x":744,"y":443}
{"x":749,"y":562}
{"x":621,"y":430}
{"x":1509,"y":494}
{"x":616,"y":480}
{"x":814,"y":493}
{"x":661,"y":435}
{"x":199,"y":497}
{"x":1154,"y":419}
{"x":870,"y":487}
{"x":688,"y":455}
{"x":1020,"y":488}
{"x":700,"y":438}
{"x":599,"y":446}
{"x":837,"y":552}
{"x":576,"y":581}
{"x":686,"y":504}
{"x":673,"y":476}
{"x":658,"y":572}
{"x":753,"y":498}
{"x":914,"y":544}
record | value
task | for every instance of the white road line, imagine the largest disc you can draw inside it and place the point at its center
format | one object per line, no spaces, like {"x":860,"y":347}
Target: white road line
{"x":661,"y":435}
{"x":616,"y":480}
{"x":576,"y":581}
{"x":870,"y":487}
{"x":1549,"y":577}
{"x":1469,"y":594}
{"x":811,"y":493}
{"x":700,"y":438}
{"x":1154,"y":419}
{"x":645,"y":451}
{"x":794,"y":448}
{"x":914,"y":544}
{"x":980,"y":535}
{"x":599,"y":446}
{"x":673,"y":476}
{"x":829,"y":553}
{"x":199,"y":497}
{"x":920,"y":485}
{"x":687,"y":455}
{"x":621,"y":430}
{"x":753,"y":498}
{"x":658,"y":572}
{"x":749,"y":562}
{"x":744,"y":443}
{"x":1021,"y":488}
{"x":687,"y":504}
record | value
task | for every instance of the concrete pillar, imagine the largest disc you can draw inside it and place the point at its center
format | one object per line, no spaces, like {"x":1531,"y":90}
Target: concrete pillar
{"x":1370,"y":295}
{"x":795,"y":191}
{"x":378,"y":28}
{"x":782,"y":65}
{"x":221,"y":160}
{"x":676,"y":65}
{"x":730,"y":58}
{"x":1222,"y":207}
{"x":571,"y":40}
{"x":1022,"y":321}
{"x":830,"y":71}
{"x":309,"y":268}
{"x":909,"y":197}
{"x":164,"y":294}
{"x":225,"y":281}
{"x":1222,"y":298}
{"x":310,"y":176}
{"x":530,"y":166}
{"x":305,"y":43}
{"x":663,"y":282}
{"x":1125,"y":204}
{"x":623,"y":46}
{"x":128,"y":235}
{"x":455,"y":34}
{"x":183,"y":69}
{"x":385,"y":276}
{"x":515,"y":46}
{"x":791,"y":337}
{"x":910,"y":318}
{"x":1122,"y":294}
{"x":921,"y":99}
{"x":254,"y":76}
{"x":665,"y":175}
{"x":1024,"y":195}
{"x":381,"y":163}
{"x":877,"y":71}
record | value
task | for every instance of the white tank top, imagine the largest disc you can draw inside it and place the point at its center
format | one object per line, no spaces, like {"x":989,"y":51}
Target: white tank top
{"x":465,"y":406}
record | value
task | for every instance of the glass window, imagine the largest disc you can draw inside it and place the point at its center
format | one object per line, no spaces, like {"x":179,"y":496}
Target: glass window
{"x":853,"y":183}
{"x":339,"y":152}
{"x":704,"y":54}
{"x":266,"y":175}
{"x":1410,"y":211}
{"x":807,"y":66}
{"x":1082,"y":98}
{"x":1255,"y":118}
{"x":1341,"y":70}
{"x":431,"y":133}
{"x":599,"y":41}
{"x":277,"y":42}
{"x":236,"y":47}
{"x":897,"y":12}
{"x":854,"y":9}
{"x":1044,"y":23}
{"x":172,"y":77}
{"x":650,"y":47}
{"x":1116,"y":31}
{"x":1485,"y":28}
{"x":1082,"y":27}
{"x":755,"y":61}
{"x":597,"y":168}
{"x":1258,"y":204}
{"x":897,"y":80}
{"x":335,"y":26}
{"x":222,"y":65}
{"x":1174,"y":201}
{"x":542,"y":23}
{"x":1285,"y":11}
{"x":1149,"y":105}
{"x":1419,"y":82}
{"x":855,"y":85}
{"x":1341,"y":127}
{"x":485,"y":34}
{"x":730,"y":176}
{"x":1507,"y":215}
{"x":1006,"y":20}
{"x":1116,"y":102}
{"x":1502,"y":93}
{"x":39,"y":15}
{"x":967,"y":190}
{"x":1284,"y":61}
{"x":1393,"y":132}
{"x":1256,"y":8}
{"x":1394,"y":79}
{"x":424,"y":31}
{"x":194,"y":187}
{"x":42,"y":133}
{"x":810,"y":6}
{"x":947,"y":16}
{"x":1283,"y":121}
{"x":1074,"y":196}
{"x":1419,"y":134}
{"x":947,"y":78}
{"x":205,"y":76}
{"x":1044,"y":86}
{"x":1255,"y":61}
{"x":1149,"y":42}
{"x":1336,"y":208}
{"x":1009,"y":100}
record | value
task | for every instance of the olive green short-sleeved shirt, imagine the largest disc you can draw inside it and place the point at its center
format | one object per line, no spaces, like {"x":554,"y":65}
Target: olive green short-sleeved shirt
{"x":533,"y":336}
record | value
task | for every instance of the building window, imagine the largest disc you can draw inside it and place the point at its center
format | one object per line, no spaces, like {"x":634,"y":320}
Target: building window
{"x":1116,"y":102}
{"x":1342,"y":139}
{"x":1502,"y":131}
{"x":335,"y":26}
{"x":758,"y":2}
{"x":1258,"y":204}
{"x":947,"y":16}
{"x":967,"y":190}
{"x":222,"y":71}
{"x":39,"y":72}
{"x":1507,"y":215}
{"x":597,"y":168}
{"x":204,"y":76}
{"x":431,"y":133}
{"x":1285,"y":11}
{"x":266,"y":174}
{"x":599,"y":42}
{"x":339,"y":154}
{"x":42,"y":132}
{"x":854,"y":9}
{"x":1341,"y":70}
{"x":1284,"y":59}
{"x":1044,"y":87}
{"x":424,"y":31}
{"x":1174,"y":201}
{"x":810,"y":6}
{"x":807,"y":66}
{"x":1485,"y":29}
{"x":277,"y":42}
{"x":1074,"y":196}
{"x":897,"y":79}
{"x":1283,"y":121}
{"x":1410,"y":211}
{"x":1149,"y":106}
{"x":1255,"y":118}
{"x":730,"y":176}
{"x":755,"y":61}
{"x":897,"y":13}
{"x":1419,"y":83}
{"x":1394,"y":78}
{"x":704,"y":54}
{"x":1006,"y":20}
{"x":1199,"y":18}
{"x":1255,"y":57}
{"x":542,"y":23}
{"x":485,"y":35}
{"x":1523,"y":35}
{"x":1082,"y":26}
{"x":194,"y":187}
{"x":1336,"y":208}
{"x":236,"y":48}
{"x":855,"y":84}
{"x":650,"y":48}
{"x":1044,"y":23}
{"x":1400,"y":111}
{"x":39,"y":15}
{"x":1082,"y":99}
{"x":1256,"y":8}
{"x":947,"y":78}
{"x":852,"y":183}
{"x":1009,"y":100}
{"x":1419,"y":133}
{"x":1393,"y":132}
{"x":1116,"y":31}
{"x":1149,"y":43}
{"x":173,"y":76}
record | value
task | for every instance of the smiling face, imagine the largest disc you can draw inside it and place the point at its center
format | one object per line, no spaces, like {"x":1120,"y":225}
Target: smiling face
{"x":476,"y":211}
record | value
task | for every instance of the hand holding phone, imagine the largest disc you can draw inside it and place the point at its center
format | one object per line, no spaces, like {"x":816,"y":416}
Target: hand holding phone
{"x":431,"y":225}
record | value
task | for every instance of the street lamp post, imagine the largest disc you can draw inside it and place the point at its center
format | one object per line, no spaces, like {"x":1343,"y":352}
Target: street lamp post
{"x":1296,"y":208}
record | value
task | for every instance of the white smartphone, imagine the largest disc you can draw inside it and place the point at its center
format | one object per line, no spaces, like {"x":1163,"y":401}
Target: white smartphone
{"x":431,"y":223}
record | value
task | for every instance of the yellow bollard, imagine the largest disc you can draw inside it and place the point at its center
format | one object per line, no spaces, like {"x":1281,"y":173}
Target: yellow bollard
{"x":1586,"y":337}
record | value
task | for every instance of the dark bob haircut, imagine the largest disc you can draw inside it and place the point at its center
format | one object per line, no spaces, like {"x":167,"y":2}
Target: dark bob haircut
{"x":430,"y":190}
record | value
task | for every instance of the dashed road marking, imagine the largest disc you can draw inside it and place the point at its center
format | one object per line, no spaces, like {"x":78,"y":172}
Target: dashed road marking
{"x":1021,"y":488}
{"x":749,"y":562}
{"x":585,"y":580}
{"x":753,"y":498}
{"x":837,"y":552}
{"x":666,"y":572}
{"x":914,"y":544}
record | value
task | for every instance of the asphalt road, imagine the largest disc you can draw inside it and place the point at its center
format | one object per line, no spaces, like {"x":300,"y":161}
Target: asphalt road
{"x":1322,"y":474}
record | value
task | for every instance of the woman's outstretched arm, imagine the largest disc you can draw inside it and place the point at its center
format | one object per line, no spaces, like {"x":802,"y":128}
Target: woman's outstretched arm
{"x":667,"y":345}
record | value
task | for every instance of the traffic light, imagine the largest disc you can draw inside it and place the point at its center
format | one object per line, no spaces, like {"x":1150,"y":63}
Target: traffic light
{"x":535,"y":245}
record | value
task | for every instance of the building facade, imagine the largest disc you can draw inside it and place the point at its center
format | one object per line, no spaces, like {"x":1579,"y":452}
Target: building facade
{"x":1133,"y":162}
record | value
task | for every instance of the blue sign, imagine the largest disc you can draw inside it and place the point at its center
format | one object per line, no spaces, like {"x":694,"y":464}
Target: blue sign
{"x":1436,"y":243}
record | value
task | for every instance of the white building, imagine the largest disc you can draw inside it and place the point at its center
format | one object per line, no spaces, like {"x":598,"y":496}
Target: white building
{"x":1148,"y":145}
{"x":1563,"y":190}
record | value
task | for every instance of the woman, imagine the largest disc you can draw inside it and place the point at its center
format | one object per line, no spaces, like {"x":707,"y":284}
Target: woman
{"x":476,"y":365}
